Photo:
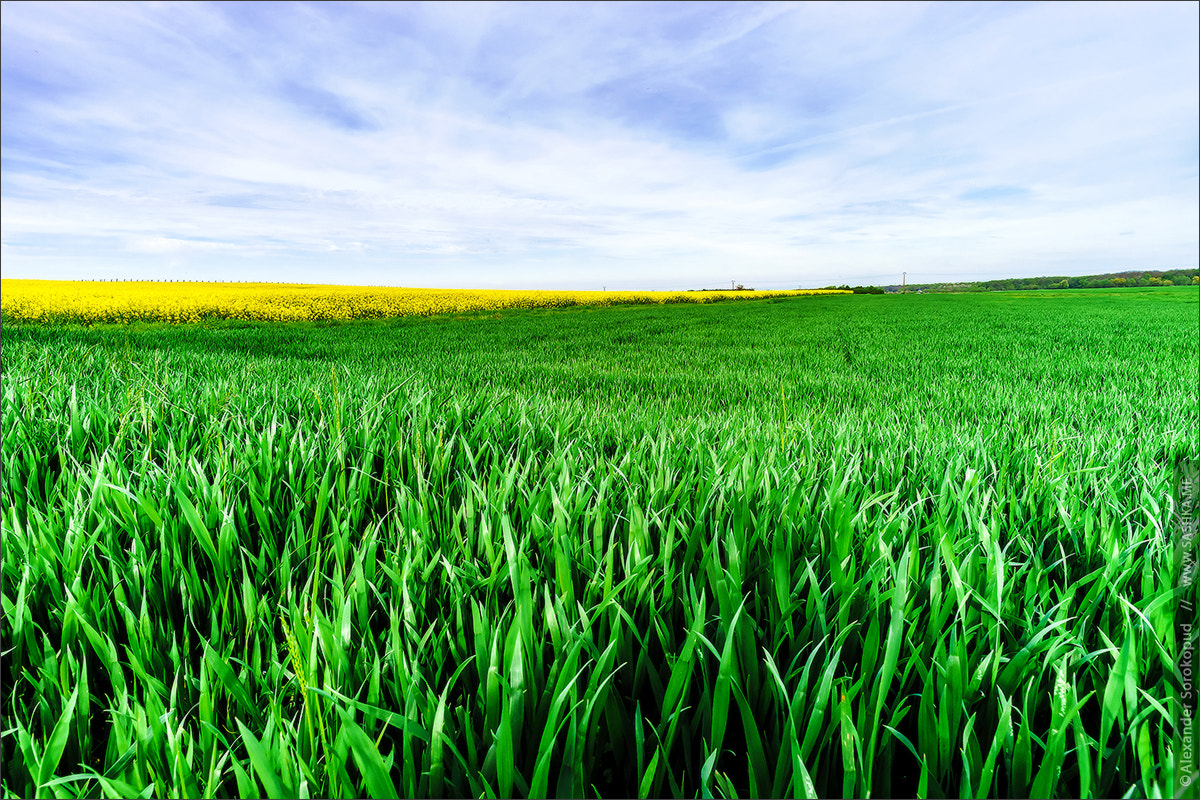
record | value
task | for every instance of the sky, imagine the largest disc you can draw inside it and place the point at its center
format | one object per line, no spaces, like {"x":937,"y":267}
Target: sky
{"x":598,"y":145}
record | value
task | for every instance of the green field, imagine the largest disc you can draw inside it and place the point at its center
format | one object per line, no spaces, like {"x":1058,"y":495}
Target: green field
{"x":900,"y":545}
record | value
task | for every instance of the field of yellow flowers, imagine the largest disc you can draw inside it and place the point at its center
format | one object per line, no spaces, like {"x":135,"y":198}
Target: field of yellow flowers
{"x":148,"y":301}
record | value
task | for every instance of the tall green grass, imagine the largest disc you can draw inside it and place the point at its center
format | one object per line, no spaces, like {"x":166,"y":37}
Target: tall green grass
{"x":844,"y":546}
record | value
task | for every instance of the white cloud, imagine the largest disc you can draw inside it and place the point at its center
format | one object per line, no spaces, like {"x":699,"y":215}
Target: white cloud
{"x":165,"y":244}
{"x":580,"y":145}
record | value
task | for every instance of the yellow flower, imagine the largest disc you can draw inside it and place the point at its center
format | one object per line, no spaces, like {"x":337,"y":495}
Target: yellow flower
{"x":151,"y":301}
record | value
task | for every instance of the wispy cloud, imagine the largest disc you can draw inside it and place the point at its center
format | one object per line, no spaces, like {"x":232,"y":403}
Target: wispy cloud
{"x":578,"y":145}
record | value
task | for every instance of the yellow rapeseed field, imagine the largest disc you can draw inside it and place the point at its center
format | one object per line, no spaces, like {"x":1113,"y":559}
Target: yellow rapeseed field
{"x":149,"y":301}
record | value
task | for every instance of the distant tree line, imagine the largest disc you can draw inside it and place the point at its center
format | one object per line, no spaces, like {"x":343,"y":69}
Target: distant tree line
{"x":1129,"y":278}
{"x":1174,"y":277}
{"x":857,"y":289}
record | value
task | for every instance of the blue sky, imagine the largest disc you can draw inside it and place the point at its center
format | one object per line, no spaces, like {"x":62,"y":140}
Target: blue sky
{"x":577,"y":145}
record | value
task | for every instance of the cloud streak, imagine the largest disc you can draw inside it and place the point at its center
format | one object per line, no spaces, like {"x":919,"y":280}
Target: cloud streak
{"x":579,"y":145}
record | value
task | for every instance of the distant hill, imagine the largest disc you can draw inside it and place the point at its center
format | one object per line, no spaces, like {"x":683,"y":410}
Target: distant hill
{"x":1135,"y":277}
